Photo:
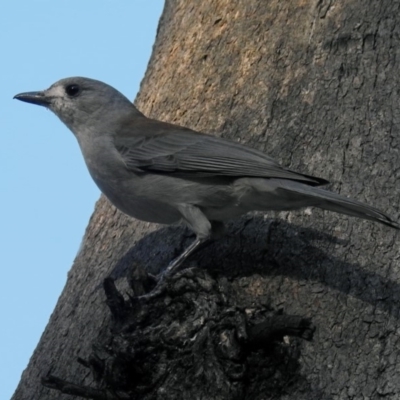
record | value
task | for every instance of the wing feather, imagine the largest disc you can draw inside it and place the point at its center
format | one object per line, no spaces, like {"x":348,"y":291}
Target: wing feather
{"x":171,"y":149}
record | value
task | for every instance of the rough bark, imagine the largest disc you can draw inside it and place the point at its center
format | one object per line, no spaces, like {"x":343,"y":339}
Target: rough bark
{"x":315,"y":85}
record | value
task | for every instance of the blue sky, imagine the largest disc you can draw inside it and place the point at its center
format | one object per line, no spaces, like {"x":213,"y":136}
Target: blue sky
{"x":47,"y":194}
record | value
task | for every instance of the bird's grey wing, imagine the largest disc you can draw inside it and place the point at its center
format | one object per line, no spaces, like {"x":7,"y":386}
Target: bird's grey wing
{"x":171,"y":149}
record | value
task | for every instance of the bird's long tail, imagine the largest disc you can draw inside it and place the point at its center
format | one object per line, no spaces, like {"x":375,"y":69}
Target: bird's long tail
{"x":334,"y":202}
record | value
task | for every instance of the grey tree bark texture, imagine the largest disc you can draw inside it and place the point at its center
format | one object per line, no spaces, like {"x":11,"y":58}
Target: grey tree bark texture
{"x":315,"y":84}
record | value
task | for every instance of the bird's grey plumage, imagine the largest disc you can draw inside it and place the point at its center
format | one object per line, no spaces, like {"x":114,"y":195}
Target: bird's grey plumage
{"x":160,"y":172}
{"x":167,"y":148}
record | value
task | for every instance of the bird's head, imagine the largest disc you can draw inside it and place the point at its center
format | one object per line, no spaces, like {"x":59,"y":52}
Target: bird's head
{"x":81,"y":103}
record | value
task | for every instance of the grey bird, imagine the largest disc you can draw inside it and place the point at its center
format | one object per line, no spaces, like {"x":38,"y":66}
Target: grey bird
{"x":159,"y":172}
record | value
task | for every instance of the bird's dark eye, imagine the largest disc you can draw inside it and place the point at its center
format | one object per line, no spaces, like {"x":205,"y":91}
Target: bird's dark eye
{"x":72,"y":90}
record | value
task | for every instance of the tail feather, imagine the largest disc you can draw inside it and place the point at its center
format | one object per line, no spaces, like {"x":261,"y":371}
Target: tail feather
{"x":334,"y":202}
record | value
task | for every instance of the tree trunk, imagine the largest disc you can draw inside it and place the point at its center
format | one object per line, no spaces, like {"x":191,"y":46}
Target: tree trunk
{"x":315,"y":85}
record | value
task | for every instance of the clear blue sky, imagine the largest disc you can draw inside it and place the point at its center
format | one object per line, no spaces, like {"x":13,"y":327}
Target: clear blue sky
{"x":47,"y":195}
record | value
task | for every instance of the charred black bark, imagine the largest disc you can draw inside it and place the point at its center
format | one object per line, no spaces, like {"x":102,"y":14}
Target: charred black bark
{"x":196,"y":338}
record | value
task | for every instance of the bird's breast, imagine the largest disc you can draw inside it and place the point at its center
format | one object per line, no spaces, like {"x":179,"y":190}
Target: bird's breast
{"x":131,"y":193}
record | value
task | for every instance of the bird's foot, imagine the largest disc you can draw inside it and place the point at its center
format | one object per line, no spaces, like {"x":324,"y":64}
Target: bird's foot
{"x":172,"y":268}
{"x":162,"y":280}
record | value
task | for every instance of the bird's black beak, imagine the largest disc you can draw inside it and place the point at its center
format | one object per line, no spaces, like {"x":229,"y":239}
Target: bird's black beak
{"x":38,"y":98}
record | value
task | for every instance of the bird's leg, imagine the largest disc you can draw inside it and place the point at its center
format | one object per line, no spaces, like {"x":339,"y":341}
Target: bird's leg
{"x":173,"y":267}
{"x":177,"y":262}
{"x":204,"y":230}
{"x":217,"y":230}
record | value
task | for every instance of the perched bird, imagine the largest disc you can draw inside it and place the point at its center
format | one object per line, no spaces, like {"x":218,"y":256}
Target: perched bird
{"x":159,"y":172}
